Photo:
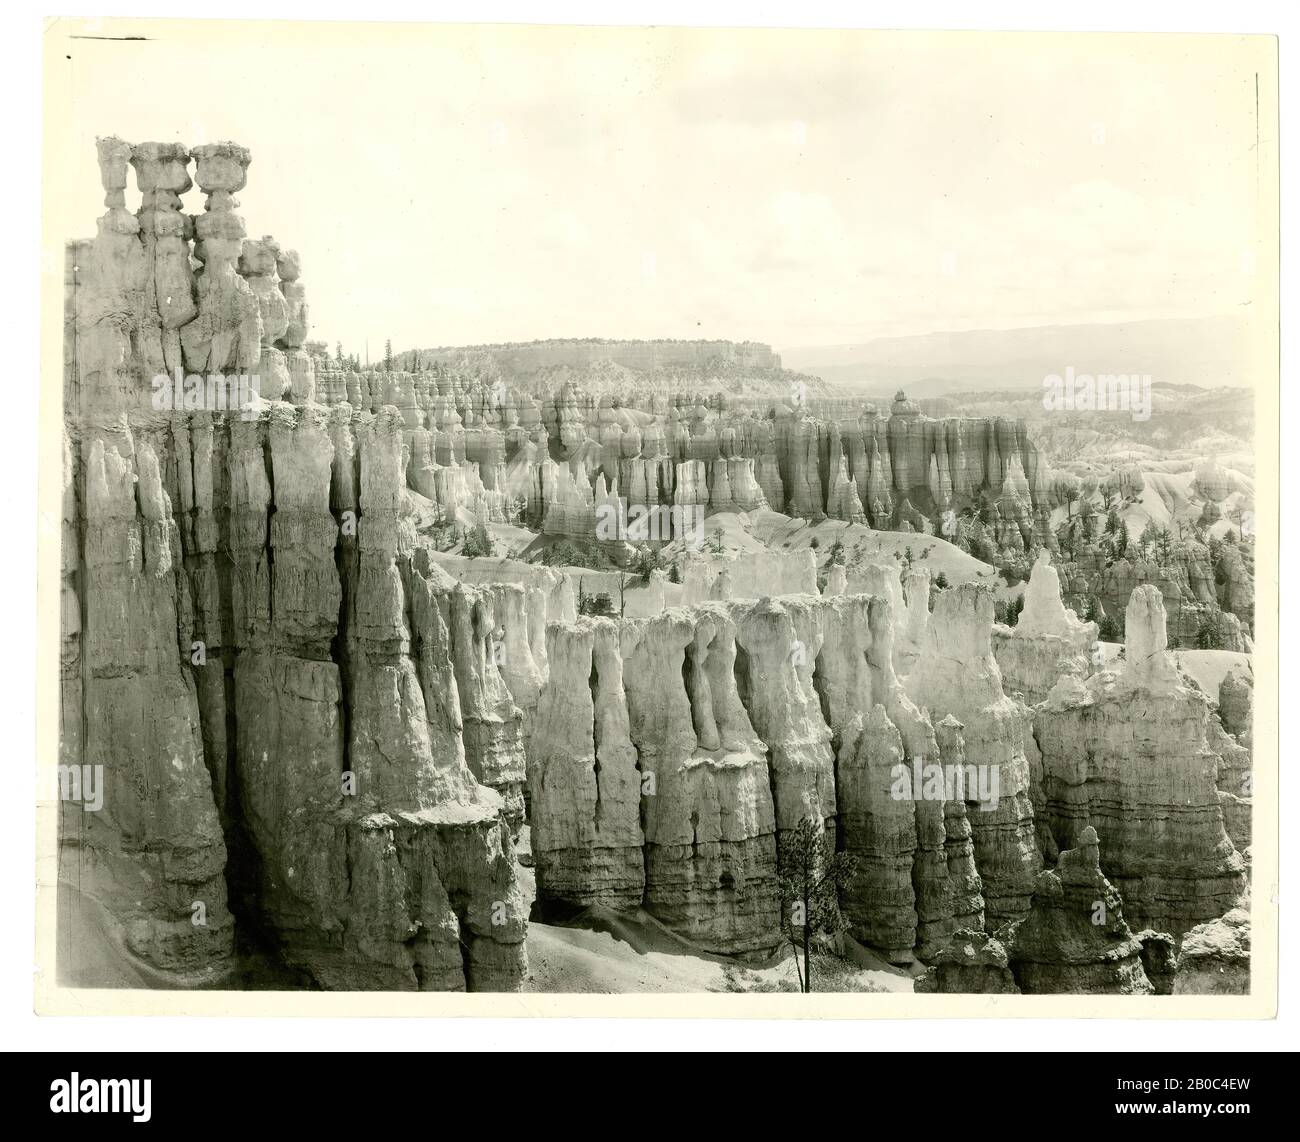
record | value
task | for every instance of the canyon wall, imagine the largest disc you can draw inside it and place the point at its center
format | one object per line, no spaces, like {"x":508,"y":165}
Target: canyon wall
{"x":670,"y":755}
{"x":495,"y":449}
{"x":702,"y":734}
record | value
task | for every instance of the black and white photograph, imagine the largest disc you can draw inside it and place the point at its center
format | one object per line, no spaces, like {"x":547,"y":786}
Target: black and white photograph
{"x":578,"y":531}
{"x":661,"y":511}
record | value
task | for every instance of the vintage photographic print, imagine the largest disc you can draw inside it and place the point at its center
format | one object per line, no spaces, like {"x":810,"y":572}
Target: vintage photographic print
{"x":597,"y":513}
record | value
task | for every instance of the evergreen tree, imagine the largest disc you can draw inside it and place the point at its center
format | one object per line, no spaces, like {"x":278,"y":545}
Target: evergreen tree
{"x":477,"y":542}
{"x":1207,"y":636}
{"x":811,"y":875}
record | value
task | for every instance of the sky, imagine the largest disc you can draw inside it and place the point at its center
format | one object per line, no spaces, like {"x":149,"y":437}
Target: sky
{"x":457,"y":184}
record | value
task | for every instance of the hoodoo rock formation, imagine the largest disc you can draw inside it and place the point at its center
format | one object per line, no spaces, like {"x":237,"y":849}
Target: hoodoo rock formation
{"x":276,"y":682}
{"x":957,"y":675}
{"x":1047,"y":642}
{"x":478,"y":445}
{"x":664,"y":769}
{"x":1127,"y":752}
{"x":1075,"y":938}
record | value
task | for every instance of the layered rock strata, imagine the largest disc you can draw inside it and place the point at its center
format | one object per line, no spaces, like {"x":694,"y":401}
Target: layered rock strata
{"x":1075,"y":938}
{"x":669,"y":755}
{"x":957,"y":675}
{"x":1127,"y":752}
{"x":256,"y":651}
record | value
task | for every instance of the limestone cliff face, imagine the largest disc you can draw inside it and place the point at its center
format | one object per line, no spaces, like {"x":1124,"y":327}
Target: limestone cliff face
{"x":478,"y":445}
{"x":1128,"y":754}
{"x":266,"y":666}
{"x":647,"y":781}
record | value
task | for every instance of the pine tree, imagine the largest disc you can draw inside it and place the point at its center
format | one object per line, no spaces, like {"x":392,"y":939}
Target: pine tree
{"x":811,"y":875}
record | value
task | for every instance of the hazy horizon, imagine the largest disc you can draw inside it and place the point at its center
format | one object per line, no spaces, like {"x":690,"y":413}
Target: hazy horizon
{"x":801,"y":188}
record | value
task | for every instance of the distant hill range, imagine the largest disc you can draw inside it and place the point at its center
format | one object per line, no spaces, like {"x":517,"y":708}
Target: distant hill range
{"x":1208,"y":352}
{"x":526,"y":357}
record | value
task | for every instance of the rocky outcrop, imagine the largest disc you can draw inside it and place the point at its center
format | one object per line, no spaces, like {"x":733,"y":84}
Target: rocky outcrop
{"x":1127,"y":753}
{"x":481,"y":442}
{"x":1215,"y":956}
{"x":142,"y":854}
{"x":972,"y":963}
{"x":1075,"y":938}
{"x":1207,"y":604}
{"x":710,"y":831}
{"x":1231,"y":737}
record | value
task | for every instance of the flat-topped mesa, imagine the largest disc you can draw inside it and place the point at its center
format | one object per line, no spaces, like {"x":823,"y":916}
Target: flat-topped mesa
{"x":1129,"y":754}
{"x":1075,"y":939}
{"x":1047,"y":641}
{"x":957,"y":674}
